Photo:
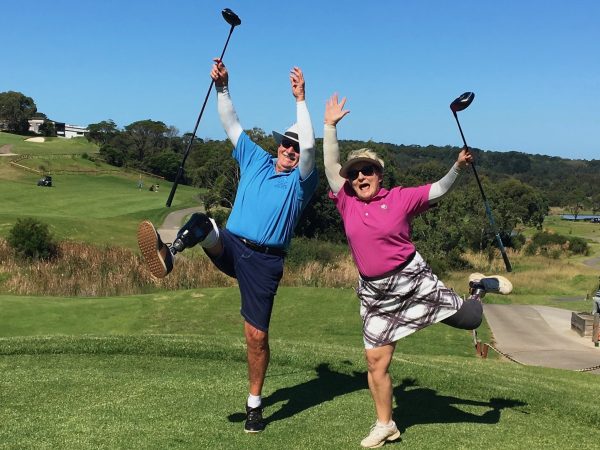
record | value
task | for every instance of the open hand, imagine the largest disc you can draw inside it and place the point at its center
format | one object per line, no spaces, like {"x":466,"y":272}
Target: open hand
{"x":334,"y":110}
{"x":297,"y":81}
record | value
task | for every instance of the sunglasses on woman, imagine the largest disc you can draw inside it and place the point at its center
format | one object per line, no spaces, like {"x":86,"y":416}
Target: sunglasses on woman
{"x":367,"y":171}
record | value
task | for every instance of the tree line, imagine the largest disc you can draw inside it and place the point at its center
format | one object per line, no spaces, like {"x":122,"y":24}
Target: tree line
{"x":457,"y":224}
{"x":520,"y":187}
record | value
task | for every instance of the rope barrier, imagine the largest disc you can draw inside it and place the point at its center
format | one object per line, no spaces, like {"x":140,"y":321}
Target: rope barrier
{"x":507,"y":356}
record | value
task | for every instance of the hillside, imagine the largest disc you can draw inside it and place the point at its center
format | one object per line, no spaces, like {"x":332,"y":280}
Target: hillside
{"x":89,"y":201}
{"x":563,"y":181}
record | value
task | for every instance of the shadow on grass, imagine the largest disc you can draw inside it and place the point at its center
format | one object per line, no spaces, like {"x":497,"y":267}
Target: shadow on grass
{"x":325,"y":387}
{"x":417,"y":405}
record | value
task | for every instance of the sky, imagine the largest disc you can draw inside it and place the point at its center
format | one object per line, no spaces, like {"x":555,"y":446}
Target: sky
{"x":534,"y":66}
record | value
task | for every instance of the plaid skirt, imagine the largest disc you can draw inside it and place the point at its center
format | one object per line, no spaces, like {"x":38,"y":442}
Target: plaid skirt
{"x":404,"y":302}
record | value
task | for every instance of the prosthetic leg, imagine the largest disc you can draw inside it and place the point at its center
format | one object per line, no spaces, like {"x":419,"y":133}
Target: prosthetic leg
{"x":194,"y":231}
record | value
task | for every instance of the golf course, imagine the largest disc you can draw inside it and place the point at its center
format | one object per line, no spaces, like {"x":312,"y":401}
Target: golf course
{"x":165,"y":367}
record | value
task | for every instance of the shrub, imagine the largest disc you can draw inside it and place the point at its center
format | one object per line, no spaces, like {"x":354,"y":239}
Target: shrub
{"x":552,"y":245}
{"x":31,"y":239}
{"x":579,"y":246}
{"x":220,"y":216}
{"x":304,"y":250}
{"x":516,"y":241}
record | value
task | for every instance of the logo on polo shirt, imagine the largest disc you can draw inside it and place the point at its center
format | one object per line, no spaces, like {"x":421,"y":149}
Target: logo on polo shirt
{"x":383,"y":206}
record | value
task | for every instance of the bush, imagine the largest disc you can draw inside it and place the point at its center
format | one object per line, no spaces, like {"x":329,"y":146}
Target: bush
{"x":516,"y":241}
{"x":579,"y":246}
{"x":304,"y":250}
{"x":553,"y":245}
{"x":220,"y":216}
{"x":31,"y":239}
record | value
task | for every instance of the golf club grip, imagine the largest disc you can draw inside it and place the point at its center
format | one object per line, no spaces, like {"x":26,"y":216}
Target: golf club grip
{"x":504,"y":255}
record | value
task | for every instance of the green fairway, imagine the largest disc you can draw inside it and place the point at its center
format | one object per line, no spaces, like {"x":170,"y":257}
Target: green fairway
{"x":53,"y":145}
{"x":168,"y":371}
{"x":98,"y":208}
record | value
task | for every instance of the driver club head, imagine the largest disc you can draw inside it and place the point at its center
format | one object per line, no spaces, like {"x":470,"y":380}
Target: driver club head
{"x":230,"y":17}
{"x":462,"y":102}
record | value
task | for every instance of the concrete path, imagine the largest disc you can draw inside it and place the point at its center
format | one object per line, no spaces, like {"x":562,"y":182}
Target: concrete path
{"x":174,"y":221}
{"x":541,"y":336}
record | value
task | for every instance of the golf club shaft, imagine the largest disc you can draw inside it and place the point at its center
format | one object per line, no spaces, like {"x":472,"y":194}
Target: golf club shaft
{"x":488,"y":210}
{"x":191,"y":141}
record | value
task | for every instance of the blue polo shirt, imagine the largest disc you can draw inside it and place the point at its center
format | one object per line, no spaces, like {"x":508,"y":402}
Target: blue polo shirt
{"x":268,"y":204}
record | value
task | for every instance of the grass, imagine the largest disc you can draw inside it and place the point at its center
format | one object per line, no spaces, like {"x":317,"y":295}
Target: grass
{"x":102,"y":208}
{"x":50,"y":146}
{"x":169,"y":371}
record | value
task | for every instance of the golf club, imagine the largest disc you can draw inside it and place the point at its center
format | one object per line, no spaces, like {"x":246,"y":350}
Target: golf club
{"x":232,"y":19}
{"x":461,"y":103}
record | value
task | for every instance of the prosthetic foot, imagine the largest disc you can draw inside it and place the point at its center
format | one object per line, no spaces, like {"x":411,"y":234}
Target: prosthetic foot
{"x":480,"y":284}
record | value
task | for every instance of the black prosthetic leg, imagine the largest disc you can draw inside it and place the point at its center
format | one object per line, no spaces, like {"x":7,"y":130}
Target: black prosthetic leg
{"x":195,"y":230}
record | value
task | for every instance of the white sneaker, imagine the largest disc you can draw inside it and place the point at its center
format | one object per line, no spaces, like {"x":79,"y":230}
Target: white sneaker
{"x":380,"y":434}
{"x":495,"y":284}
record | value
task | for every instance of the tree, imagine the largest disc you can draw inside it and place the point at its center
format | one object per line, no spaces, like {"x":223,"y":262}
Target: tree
{"x":595,"y":201}
{"x":164,"y":164}
{"x":102,"y":132}
{"x":47,"y":128}
{"x":147,"y":136}
{"x":525,"y":204}
{"x":15,"y":111}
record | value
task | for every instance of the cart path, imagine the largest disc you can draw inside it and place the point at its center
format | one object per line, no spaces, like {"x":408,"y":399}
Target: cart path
{"x":6,"y":150}
{"x":541,"y":336}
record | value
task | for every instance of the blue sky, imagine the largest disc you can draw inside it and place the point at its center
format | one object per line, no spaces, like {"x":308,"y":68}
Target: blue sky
{"x":533,"y":65}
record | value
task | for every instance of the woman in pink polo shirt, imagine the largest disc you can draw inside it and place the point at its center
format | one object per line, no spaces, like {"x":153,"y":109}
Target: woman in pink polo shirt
{"x":398,"y":292}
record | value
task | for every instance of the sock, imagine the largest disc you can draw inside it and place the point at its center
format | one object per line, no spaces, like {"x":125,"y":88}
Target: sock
{"x":211,"y":238}
{"x":254,"y":401}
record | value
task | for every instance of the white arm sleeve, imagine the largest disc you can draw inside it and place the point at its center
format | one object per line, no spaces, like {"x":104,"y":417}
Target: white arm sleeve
{"x":306,"y":138}
{"x":441,"y":188}
{"x":228,"y":116}
{"x":331,"y":158}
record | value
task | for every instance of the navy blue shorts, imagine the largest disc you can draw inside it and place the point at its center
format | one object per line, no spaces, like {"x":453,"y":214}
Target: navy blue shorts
{"x":258,"y":277}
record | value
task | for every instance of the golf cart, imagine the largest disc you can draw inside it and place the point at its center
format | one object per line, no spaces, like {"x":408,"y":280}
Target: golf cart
{"x":45,"y":181}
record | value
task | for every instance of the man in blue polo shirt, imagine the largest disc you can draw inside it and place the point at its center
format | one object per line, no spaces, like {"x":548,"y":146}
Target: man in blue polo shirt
{"x":271,"y":195}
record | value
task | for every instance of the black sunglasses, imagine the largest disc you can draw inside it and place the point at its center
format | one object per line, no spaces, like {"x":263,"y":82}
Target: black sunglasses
{"x":367,"y":171}
{"x":286,"y":143}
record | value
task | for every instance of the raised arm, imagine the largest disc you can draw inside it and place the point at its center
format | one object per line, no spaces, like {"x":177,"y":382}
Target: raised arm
{"x":441,"y":188}
{"x":227,"y":113}
{"x":306,"y":133}
{"x":334,"y":112}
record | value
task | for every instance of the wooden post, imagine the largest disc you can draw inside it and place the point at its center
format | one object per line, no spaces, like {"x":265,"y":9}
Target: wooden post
{"x":596,"y":329}
{"x":484,"y":350}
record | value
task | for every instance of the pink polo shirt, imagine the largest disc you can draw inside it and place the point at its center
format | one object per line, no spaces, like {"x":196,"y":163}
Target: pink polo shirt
{"x":379,"y":231}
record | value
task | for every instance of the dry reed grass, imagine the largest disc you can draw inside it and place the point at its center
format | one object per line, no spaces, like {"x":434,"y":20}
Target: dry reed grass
{"x":87,"y":271}
{"x":342,"y":273}
{"x":84,"y":270}
{"x":537,"y":275}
